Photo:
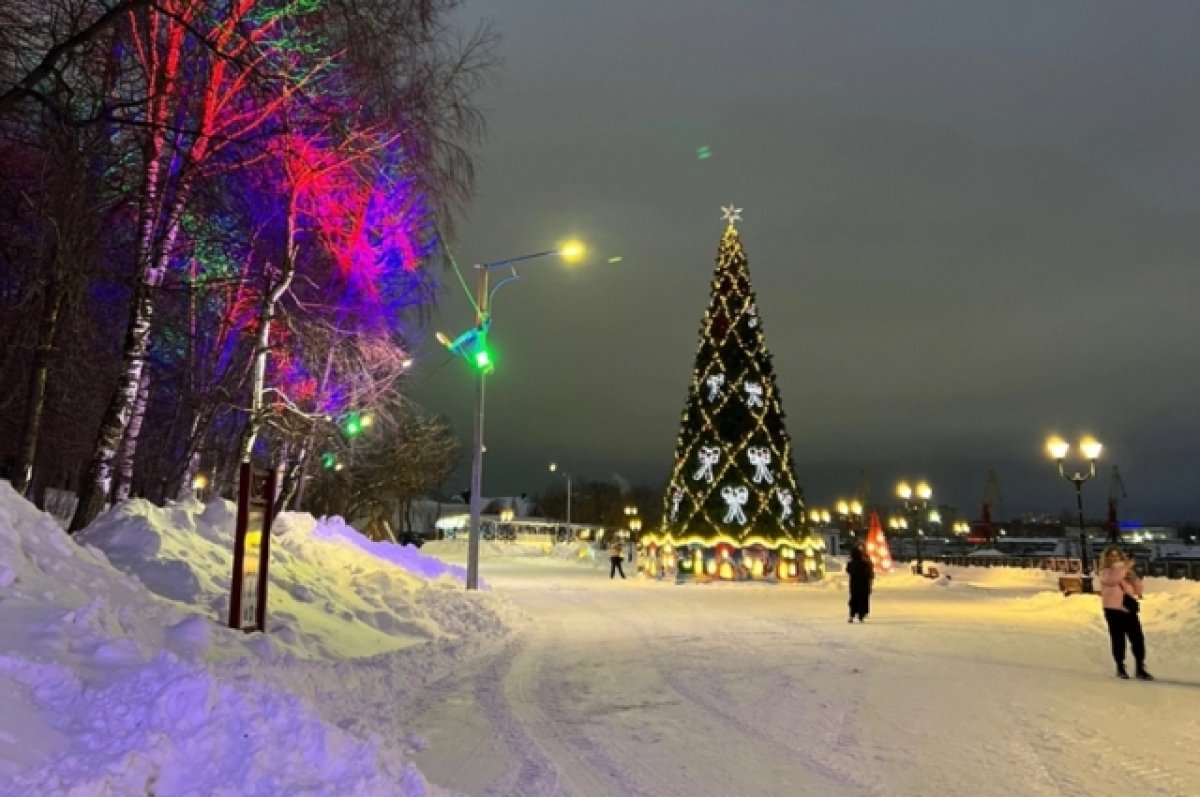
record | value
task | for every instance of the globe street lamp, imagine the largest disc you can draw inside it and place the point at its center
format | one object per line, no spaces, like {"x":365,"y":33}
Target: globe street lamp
{"x":632,"y":521}
{"x":915,"y":502}
{"x":1091,"y":449}
{"x":553,"y":468}
{"x":472,"y":346}
{"x":850,"y":513}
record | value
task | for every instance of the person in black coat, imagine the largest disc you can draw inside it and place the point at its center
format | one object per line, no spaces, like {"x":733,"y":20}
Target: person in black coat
{"x":861,"y":575}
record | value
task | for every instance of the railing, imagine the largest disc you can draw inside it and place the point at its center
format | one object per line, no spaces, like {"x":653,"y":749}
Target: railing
{"x":1162,"y":568}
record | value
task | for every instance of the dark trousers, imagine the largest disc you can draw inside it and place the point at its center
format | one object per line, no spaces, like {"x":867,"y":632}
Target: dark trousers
{"x":1123,"y":624}
{"x":860,"y":605}
{"x":616,"y":567}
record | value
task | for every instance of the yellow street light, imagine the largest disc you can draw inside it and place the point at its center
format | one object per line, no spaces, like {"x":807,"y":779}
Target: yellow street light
{"x":571,"y":251}
{"x":1058,"y":447}
{"x":1091,"y":448}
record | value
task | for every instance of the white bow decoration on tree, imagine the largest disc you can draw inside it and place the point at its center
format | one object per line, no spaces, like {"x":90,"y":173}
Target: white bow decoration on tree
{"x":754,"y":394}
{"x":715,"y":382}
{"x":709,"y":456}
{"x":676,"y":500}
{"x":735,"y":499}
{"x":760,"y":458}
{"x":785,"y":500}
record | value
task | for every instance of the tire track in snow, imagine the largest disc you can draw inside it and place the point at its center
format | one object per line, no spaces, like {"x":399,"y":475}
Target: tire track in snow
{"x":539,"y":691}
{"x":845,"y":780}
{"x":534,"y":773}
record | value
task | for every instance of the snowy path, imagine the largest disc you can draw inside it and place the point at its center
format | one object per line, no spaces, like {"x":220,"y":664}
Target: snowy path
{"x":640,"y":688}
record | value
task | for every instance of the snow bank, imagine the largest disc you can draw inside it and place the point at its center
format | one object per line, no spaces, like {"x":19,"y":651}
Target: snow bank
{"x":117,"y":676}
{"x":105,"y":690}
{"x":457,"y":549}
{"x":333,"y":594}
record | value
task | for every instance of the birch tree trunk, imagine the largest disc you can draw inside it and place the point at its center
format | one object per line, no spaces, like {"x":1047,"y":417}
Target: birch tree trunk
{"x":125,"y":454}
{"x":262,"y":345}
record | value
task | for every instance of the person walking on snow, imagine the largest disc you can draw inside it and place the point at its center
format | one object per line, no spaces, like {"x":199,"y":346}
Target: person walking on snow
{"x":861,"y":574}
{"x":616,"y":554}
{"x":1120,"y":589}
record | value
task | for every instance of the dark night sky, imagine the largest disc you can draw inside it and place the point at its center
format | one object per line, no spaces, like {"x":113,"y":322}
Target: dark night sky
{"x":968,"y":223}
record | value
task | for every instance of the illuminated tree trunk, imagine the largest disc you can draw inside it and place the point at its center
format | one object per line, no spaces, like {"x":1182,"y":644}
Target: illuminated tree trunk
{"x":125,"y":454}
{"x":189,"y":86}
{"x":262,"y":345}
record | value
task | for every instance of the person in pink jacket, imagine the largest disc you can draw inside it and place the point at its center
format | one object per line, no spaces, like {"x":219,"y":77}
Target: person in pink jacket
{"x":1120,"y":589}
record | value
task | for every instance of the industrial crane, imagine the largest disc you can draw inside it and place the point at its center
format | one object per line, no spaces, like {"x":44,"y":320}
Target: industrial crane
{"x":1116,"y":491}
{"x":981,"y":530}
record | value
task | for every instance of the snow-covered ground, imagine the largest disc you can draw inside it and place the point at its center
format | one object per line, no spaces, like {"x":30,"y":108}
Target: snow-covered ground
{"x":988,"y":683}
{"x":381,"y":675}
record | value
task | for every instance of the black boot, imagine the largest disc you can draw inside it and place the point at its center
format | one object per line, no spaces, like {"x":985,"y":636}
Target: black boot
{"x":1121,"y":671}
{"x":1142,"y":674}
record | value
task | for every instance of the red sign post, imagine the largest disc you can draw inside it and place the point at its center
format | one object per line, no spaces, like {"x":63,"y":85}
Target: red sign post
{"x":252,"y":549}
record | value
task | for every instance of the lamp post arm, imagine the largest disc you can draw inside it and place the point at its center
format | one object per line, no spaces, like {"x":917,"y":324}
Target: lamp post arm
{"x":492,"y":295}
{"x":511,"y":260}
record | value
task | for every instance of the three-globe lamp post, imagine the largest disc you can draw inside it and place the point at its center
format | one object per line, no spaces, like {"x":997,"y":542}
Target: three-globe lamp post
{"x":1090,"y":448}
{"x":633,"y":521}
{"x":915,"y":501}
{"x":472,"y":345}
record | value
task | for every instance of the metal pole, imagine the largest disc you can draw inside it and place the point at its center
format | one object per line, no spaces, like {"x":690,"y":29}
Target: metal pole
{"x":477,"y":454}
{"x":920,"y":556}
{"x":569,"y":535}
{"x":1084,"y":545}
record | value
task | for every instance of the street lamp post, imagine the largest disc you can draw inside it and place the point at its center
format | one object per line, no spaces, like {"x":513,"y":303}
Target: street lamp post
{"x":632,"y":520}
{"x":1091,"y":449}
{"x":472,"y":345}
{"x":553,"y":468}
{"x":850,"y":513}
{"x":915,"y":502}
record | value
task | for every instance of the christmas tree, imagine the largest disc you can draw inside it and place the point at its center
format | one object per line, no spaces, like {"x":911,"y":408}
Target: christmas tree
{"x":877,"y":546}
{"x":733,"y":505}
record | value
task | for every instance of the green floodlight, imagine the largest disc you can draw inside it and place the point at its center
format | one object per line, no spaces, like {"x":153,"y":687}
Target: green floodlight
{"x":472,"y":346}
{"x":354,"y":425}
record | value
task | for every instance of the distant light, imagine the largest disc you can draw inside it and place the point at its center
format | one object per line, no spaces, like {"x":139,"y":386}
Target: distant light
{"x":200,"y":482}
{"x":616,"y":259}
{"x":1091,"y":448}
{"x":367,"y":420}
{"x":703,"y":153}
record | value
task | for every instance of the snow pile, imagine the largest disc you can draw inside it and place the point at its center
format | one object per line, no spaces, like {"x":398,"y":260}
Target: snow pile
{"x":457,"y":549}
{"x":105,"y":687}
{"x":333,"y":592}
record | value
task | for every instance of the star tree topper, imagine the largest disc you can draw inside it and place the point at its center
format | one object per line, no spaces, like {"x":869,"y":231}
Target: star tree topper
{"x":731,"y":214}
